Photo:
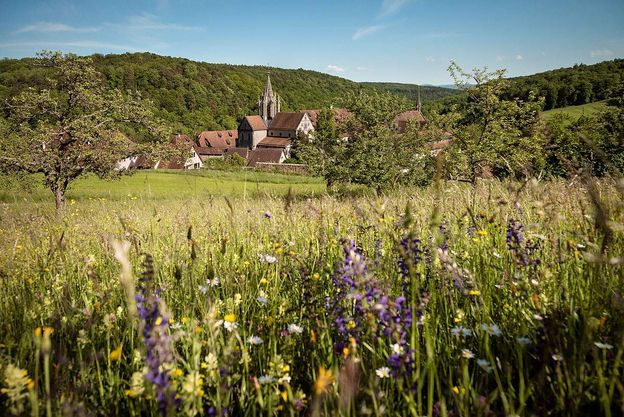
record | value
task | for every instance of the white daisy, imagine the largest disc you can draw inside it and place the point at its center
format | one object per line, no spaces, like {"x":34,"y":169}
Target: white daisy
{"x":383,"y":372}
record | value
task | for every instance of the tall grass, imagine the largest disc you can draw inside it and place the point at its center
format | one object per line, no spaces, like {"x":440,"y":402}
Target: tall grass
{"x":412,"y":304}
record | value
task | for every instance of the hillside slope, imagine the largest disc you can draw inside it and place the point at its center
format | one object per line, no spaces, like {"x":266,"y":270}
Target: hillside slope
{"x":194,"y":96}
{"x":428,"y":93}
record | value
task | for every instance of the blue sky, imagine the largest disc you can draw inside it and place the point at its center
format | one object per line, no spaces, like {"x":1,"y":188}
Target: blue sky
{"x":409,"y":41}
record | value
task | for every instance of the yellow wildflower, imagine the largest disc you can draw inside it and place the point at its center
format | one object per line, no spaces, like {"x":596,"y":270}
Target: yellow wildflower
{"x":230,"y":318}
{"x":115,"y":355}
{"x":316,"y":276}
{"x":324,"y":379}
{"x":185,"y":320}
{"x":482,"y":232}
{"x":474,"y":292}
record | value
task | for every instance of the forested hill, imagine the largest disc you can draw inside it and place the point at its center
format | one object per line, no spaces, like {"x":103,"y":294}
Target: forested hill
{"x":561,"y":87}
{"x":572,"y":86}
{"x":410,"y":91}
{"x":193,"y":96}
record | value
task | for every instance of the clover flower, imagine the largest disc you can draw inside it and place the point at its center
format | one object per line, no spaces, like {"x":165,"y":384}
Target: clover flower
{"x":267,"y":259}
{"x":294,"y":328}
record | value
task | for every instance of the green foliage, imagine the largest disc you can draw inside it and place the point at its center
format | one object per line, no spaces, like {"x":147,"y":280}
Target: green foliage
{"x":491,"y":133}
{"x":591,"y":144}
{"x":69,"y":127}
{"x":192,"y":96}
{"x":232,"y":162}
{"x":577,"y":85}
{"x":428,"y":93}
{"x":373,"y":154}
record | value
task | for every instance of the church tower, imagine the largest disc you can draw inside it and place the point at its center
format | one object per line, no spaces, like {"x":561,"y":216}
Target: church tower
{"x":269,"y":103}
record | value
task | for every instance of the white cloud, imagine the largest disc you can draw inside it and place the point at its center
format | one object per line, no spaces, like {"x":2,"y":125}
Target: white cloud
{"x":55,"y":27}
{"x":430,"y":59}
{"x":500,"y":58}
{"x":335,"y":68}
{"x":147,"y":22}
{"x":361,"y":68}
{"x":519,"y":57}
{"x":369,"y":30}
{"x":390,"y":7}
{"x":601,"y":52}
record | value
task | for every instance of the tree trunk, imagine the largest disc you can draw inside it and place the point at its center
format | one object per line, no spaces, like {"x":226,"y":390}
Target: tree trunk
{"x":59,"y":194}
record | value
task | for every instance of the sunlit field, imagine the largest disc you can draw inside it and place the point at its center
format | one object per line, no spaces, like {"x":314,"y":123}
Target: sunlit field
{"x":199,"y":300}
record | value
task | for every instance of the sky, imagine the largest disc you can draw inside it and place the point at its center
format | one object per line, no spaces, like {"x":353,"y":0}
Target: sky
{"x":409,"y":41}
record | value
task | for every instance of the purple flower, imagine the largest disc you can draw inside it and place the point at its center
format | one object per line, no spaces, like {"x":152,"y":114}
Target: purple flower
{"x":267,"y":214}
{"x":158,"y":342}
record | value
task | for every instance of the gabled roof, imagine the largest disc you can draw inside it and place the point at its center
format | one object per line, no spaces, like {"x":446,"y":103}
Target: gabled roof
{"x":217,"y":138}
{"x":209,"y":151}
{"x":274,"y":142}
{"x":273,"y":155}
{"x":402,"y":119}
{"x":142,"y":162}
{"x":256,"y":122}
{"x":244,"y":152}
{"x":181,"y":140}
{"x":286,"y":121}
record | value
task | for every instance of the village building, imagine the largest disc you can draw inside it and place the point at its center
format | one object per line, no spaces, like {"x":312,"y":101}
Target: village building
{"x":251,"y":131}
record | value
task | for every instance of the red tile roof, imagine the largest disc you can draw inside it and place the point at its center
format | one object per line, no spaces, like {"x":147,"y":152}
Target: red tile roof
{"x":273,"y":155}
{"x":274,"y":142}
{"x":256,"y":122}
{"x":286,"y":121}
{"x":218,"y":138}
{"x":208,"y":151}
{"x":402,"y":119}
{"x":244,"y":152}
{"x":181,"y":140}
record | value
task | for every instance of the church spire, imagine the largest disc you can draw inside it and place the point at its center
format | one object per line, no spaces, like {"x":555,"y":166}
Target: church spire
{"x":269,"y":103}
{"x":268,"y":89}
{"x":419,"y":105}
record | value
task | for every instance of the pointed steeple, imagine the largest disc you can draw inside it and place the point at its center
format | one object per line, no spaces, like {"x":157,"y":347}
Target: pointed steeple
{"x":419,"y":105}
{"x":269,"y":103}
{"x":268,"y":89}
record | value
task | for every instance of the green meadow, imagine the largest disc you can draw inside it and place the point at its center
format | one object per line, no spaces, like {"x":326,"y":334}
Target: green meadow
{"x":575,"y":112}
{"x":164,"y":185}
{"x":217,"y":293}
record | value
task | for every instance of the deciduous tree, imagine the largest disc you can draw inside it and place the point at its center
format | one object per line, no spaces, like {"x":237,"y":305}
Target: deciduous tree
{"x":71,"y":127}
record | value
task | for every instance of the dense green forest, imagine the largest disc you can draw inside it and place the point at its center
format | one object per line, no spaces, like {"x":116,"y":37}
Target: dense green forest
{"x":561,"y":87}
{"x":428,"y":93}
{"x":192,"y":96}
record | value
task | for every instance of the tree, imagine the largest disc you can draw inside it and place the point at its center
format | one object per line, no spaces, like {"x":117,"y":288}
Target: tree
{"x":373,"y":154}
{"x":491,"y":133}
{"x":321,"y":149}
{"x":70,"y":128}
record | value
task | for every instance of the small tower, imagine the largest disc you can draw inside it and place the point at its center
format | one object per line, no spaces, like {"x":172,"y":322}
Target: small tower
{"x":419,"y":105}
{"x":269,"y":103}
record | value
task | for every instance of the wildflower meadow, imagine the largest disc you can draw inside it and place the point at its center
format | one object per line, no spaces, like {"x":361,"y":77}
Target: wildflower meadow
{"x":506,"y":299}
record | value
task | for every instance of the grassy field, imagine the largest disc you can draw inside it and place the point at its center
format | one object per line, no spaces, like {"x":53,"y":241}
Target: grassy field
{"x":159,"y":185}
{"x":176,"y":300}
{"x":576,"y":111}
